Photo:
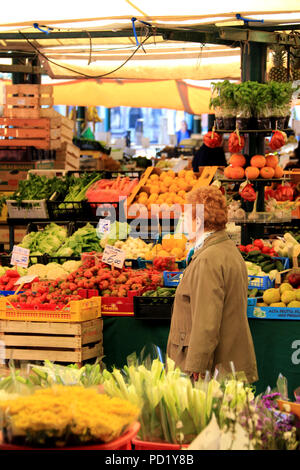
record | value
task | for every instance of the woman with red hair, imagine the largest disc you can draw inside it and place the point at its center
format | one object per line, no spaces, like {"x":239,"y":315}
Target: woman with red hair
{"x":209,"y":326}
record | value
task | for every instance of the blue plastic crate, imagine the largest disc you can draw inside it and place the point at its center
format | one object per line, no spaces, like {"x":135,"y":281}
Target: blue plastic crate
{"x":251,"y":304}
{"x":172,"y":278}
{"x":6,"y":293}
{"x":285,"y":261}
{"x":260,"y":282}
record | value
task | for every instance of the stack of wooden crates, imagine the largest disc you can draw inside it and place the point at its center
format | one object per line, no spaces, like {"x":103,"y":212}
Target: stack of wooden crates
{"x":30,"y":120}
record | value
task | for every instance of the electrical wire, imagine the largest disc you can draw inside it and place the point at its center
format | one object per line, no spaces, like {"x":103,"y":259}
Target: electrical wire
{"x":80,"y":73}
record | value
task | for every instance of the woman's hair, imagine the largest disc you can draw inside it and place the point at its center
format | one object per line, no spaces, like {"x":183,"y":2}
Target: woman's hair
{"x":215,"y":207}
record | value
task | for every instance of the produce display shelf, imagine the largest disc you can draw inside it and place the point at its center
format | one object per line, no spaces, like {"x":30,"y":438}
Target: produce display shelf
{"x":274,"y":313}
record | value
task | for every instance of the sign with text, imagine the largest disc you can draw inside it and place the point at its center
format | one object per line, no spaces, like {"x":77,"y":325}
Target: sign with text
{"x":113,"y":256}
{"x":20,"y":256}
{"x":26,"y":279}
{"x":103,"y":226}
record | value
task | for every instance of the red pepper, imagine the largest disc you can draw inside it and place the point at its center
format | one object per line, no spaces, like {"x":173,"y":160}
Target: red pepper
{"x":284,"y":193}
{"x":248,"y":193}
{"x":269,"y":193}
{"x":278,"y":139}
{"x":212,"y":139}
{"x":235,"y":142}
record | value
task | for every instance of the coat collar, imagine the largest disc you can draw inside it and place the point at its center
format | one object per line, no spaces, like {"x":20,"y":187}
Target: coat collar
{"x":216,"y":237}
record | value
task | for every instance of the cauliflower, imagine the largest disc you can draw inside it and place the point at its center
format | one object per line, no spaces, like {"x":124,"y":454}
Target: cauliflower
{"x":56,"y":272}
{"x":38,"y":270}
{"x":71,"y":266}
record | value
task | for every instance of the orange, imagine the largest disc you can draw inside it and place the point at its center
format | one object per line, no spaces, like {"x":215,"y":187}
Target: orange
{"x":183,"y":184}
{"x":227,"y":172}
{"x":162,"y":175}
{"x":237,"y":159}
{"x":168,"y":181}
{"x":278,"y":172}
{"x":252,"y":172}
{"x":272,"y":161}
{"x":181,"y":174}
{"x":163,"y":253}
{"x":177,"y":252}
{"x":258,"y":160}
{"x":181,"y":193}
{"x":267,"y":172}
{"x":154,"y":189}
{"x":173,"y":188}
{"x":237,"y":172}
{"x":171,"y":174}
{"x":153,"y":197}
{"x":189,"y":173}
{"x":154,"y":177}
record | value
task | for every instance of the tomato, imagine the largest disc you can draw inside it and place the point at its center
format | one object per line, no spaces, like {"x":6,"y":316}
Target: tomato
{"x":266,"y":249}
{"x":258,"y":243}
{"x":250,"y":248}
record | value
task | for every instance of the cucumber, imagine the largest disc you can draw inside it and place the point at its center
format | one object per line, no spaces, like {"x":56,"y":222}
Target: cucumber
{"x":267,"y":268}
{"x":253,"y":253}
{"x":279,"y":265}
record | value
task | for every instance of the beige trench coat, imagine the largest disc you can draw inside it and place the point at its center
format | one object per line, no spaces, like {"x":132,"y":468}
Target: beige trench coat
{"x":209,"y":325}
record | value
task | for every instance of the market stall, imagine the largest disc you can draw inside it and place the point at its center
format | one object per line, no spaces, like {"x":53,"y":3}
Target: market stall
{"x":83,"y":292}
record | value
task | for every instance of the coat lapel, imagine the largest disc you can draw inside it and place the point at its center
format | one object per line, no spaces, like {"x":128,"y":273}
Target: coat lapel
{"x":215,"y":238}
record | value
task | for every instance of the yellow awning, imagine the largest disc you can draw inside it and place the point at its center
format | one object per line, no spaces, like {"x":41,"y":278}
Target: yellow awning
{"x":168,"y":94}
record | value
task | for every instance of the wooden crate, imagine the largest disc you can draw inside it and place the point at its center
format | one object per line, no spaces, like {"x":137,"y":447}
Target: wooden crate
{"x":18,"y":132}
{"x":57,"y":342}
{"x":68,"y":157}
{"x":26,"y":101}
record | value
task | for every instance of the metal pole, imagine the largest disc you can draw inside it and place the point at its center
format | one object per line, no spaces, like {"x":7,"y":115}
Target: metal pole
{"x":80,"y":118}
{"x":107,"y":119}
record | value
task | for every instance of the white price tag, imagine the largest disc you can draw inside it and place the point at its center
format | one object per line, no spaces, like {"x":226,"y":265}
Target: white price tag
{"x":20,"y":256}
{"x":113,"y":256}
{"x":25,"y":279}
{"x":103,"y":226}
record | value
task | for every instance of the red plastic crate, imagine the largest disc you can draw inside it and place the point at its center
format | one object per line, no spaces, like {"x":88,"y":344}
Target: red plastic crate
{"x":122,"y":443}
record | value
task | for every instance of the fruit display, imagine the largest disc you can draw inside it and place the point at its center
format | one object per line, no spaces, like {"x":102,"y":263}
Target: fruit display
{"x":283,"y":296}
{"x":111,"y":190}
{"x":165,"y":189}
{"x":62,"y":415}
{"x":170,"y":246}
{"x":261,"y":166}
{"x":100,"y":278}
{"x":9,"y":277}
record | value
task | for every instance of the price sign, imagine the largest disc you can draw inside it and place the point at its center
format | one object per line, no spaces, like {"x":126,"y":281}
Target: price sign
{"x":113,"y":256}
{"x":25,"y":279}
{"x":20,"y":256}
{"x":103,"y":226}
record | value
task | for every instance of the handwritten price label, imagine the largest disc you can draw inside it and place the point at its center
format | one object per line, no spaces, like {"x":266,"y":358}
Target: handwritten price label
{"x":25,"y":279}
{"x":20,"y":256}
{"x":113,"y":256}
{"x":103,"y":226}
